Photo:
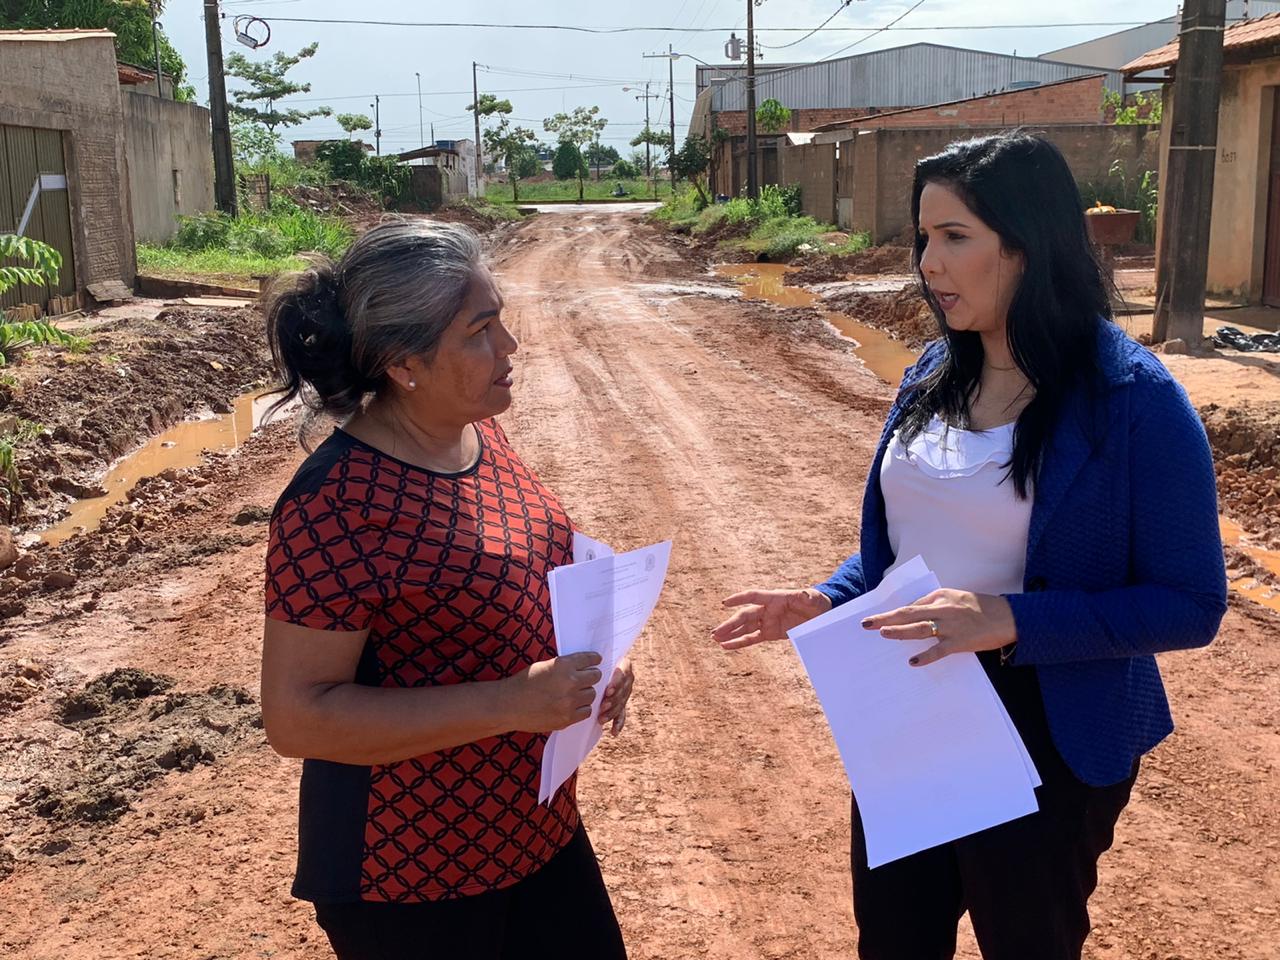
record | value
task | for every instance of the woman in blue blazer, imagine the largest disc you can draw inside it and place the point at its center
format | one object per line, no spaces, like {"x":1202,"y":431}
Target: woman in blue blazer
{"x":1057,"y":478}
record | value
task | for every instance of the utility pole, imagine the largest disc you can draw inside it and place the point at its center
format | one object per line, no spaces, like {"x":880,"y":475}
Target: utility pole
{"x":224,"y":186}
{"x":422,"y":140}
{"x":1193,"y":148}
{"x":753,"y":184}
{"x":155,"y":43}
{"x":671,"y":89}
{"x":648,"y":161}
{"x":475,"y":108}
{"x":377,"y":124}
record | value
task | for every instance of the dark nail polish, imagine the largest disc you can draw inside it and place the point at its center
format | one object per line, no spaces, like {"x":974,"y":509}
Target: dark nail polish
{"x":914,"y":661}
{"x":866,"y":624}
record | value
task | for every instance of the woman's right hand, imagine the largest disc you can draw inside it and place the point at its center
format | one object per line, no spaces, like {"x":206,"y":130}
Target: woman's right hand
{"x":768,"y":615}
{"x":554,"y":694}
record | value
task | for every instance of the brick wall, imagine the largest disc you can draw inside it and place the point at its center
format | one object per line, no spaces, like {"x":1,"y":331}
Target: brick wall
{"x":802,"y":121}
{"x":1071,"y":101}
{"x":71,"y":86}
{"x":884,"y":159}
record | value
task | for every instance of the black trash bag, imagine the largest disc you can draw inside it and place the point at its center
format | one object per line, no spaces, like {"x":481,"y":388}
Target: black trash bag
{"x":1236,"y":339}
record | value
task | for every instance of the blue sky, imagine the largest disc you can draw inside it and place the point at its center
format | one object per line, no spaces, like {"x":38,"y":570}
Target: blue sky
{"x":543,"y":72}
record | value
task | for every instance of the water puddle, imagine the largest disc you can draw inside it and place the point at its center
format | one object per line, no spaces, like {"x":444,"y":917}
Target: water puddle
{"x":1233,"y":535}
{"x":182,"y":445}
{"x":885,"y":357}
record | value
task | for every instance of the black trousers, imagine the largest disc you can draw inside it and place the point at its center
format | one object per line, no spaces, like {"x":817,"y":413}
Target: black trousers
{"x":561,"y":911}
{"x":1026,"y":884}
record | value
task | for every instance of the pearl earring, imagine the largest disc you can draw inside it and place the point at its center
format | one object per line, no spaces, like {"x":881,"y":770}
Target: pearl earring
{"x":413,"y":385}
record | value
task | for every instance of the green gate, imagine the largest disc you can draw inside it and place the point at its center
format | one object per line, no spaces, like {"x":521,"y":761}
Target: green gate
{"x":34,"y":202}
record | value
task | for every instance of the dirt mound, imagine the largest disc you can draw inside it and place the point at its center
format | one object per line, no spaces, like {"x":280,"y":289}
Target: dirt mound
{"x":138,"y":377}
{"x":96,"y":697}
{"x":873,"y":261}
{"x":133,"y":737}
{"x":1246,"y":453}
{"x":902,"y":314}
{"x":339,"y":199}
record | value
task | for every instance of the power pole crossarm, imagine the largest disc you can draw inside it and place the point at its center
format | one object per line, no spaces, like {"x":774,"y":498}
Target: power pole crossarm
{"x":1188,"y":190}
{"x":753,"y":184}
{"x":224,"y":186}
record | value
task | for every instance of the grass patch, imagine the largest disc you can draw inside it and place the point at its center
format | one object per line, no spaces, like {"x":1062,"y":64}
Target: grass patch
{"x":773,"y":225}
{"x":500,"y":193}
{"x":214,"y":263}
{"x":483,"y":207}
{"x":251,"y":245}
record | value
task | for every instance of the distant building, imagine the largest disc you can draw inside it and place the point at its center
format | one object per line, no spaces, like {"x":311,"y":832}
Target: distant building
{"x":304,"y":151}
{"x":1244,"y":237}
{"x":916,"y":75}
{"x":1114,"y":50}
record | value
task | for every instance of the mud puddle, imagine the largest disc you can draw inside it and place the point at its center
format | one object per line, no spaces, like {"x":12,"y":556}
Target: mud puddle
{"x":182,"y":445}
{"x":1264,"y":594}
{"x":886,"y":357}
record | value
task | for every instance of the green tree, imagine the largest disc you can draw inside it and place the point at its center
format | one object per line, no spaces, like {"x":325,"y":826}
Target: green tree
{"x":690,"y":162}
{"x":578,"y":128}
{"x":351,"y":122}
{"x":129,"y":20}
{"x":599,"y":155}
{"x":515,"y":146}
{"x":772,"y":116}
{"x":268,"y":83}
{"x":655,"y":138}
{"x":251,"y":145}
{"x":568,"y":163}
{"x":627,"y":170}
{"x":344,"y":159}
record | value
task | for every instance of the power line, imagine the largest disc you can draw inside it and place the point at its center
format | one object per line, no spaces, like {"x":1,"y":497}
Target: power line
{"x":784,"y":46}
{"x":668,"y":29}
{"x":887,"y":26}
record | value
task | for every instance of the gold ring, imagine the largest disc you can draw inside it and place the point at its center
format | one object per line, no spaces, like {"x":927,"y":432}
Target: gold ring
{"x":933,"y":628}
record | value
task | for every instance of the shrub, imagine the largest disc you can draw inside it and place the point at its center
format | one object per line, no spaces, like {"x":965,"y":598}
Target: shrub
{"x":739,"y":210}
{"x":710,"y":218}
{"x":567,"y":164}
{"x":625,"y":170}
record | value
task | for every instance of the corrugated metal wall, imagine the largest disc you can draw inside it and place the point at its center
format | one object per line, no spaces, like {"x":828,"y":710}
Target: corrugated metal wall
{"x":912,"y":76}
{"x":25,"y":153}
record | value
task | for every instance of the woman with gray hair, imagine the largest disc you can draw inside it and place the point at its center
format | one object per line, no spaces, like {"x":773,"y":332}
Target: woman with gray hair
{"x":408,"y":654}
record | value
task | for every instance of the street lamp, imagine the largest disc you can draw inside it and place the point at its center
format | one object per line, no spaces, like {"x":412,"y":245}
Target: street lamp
{"x":421,"y":139}
{"x":646,"y":97}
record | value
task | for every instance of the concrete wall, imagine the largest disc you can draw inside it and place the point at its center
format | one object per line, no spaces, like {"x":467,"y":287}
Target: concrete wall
{"x":433,"y":186}
{"x":1237,"y":233}
{"x":170,"y":153}
{"x":813,"y":167}
{"x":71,"y":85}
{"x":879,"y":184}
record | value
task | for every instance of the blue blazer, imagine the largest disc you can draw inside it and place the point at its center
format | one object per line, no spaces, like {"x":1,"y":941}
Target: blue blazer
{"x":1124,"y":556}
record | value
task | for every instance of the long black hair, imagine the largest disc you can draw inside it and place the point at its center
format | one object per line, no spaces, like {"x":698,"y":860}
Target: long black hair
{"x":1020,"y":186}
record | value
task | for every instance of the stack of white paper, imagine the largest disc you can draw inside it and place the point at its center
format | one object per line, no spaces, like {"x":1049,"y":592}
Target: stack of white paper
{"x":599,"y":603}
{"x":930,"y":752}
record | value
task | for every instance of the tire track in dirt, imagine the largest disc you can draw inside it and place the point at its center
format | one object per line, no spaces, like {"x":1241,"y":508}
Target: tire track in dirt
{"x":721,"y":814}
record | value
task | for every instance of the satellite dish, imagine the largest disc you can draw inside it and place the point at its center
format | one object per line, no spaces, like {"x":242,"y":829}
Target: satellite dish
{"x":253,"y":32}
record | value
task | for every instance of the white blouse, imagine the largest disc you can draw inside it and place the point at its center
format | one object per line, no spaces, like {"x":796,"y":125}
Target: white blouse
{"x":947,"y":499}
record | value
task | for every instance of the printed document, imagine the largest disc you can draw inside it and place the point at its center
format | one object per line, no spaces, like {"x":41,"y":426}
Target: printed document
{"x":930,"y":752}
{"x":598,"y":605}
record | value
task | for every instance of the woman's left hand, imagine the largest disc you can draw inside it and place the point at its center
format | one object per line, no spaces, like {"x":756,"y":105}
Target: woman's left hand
{"x":613,"y":705}
{"x":961,"y":621}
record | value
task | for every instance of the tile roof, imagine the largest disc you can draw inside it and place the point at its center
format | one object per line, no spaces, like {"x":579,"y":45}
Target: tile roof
{"x":1261,"y":30}
{"x":53,"y":35}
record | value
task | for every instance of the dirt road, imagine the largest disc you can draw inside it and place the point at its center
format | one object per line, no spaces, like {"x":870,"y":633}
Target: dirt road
{"x":721,"y":815}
